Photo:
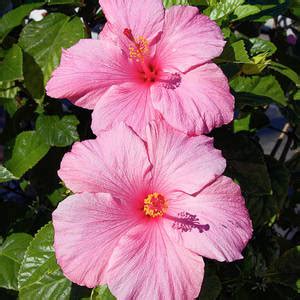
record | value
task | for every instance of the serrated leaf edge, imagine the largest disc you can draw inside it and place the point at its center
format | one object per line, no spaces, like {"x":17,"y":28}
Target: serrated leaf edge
{"x":19,"y":288}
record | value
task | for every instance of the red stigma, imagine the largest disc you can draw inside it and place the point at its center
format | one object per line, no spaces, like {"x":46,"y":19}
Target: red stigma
{"x":128,"y":34}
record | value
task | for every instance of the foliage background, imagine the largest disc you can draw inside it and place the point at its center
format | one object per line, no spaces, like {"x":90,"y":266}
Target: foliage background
{"x":36,"y":131}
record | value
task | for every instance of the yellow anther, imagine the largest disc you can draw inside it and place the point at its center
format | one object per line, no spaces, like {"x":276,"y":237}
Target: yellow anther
{"x":155,"y":205}
{"x":139,"y":50}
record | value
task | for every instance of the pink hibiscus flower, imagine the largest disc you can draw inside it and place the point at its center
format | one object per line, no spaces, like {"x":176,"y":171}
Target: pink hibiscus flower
{"x":145,"y":212}
{"x":148,"y":62}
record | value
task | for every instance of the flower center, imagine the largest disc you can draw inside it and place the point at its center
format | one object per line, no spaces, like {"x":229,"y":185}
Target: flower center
{"x":147,"y":68}
{"x":139,"y":53}
{"x":155,"y":205}
{"x":139,"y":48}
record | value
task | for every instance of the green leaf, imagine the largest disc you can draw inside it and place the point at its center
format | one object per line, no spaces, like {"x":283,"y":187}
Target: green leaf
{"x":52,"y":285}
{"x":44,"y":40}
{"x":270,"y":8}
{"x":286,"y":270}
{"x":265,"y":207}
{"x":9,"y":105}
{"x":260,"y":46}
{"x":211,"y":286}
{"x":11,"y":68}
{"x":226,"y":33}
{"x":15,"y":246}
{"x":5,"y":175}
{"x":284,"y":70}
{"x":295,"y":8}
{"x":242,"y":124}
{"x":250,"y":121}
{"x":247,"y":99}
{"x":224,"y":8}
{"x":244,"y":11}
{"x":27,"y":151}
{"x":58,"y":195}
{"x":102,"y":293}
{"x":280,"y":177}
{"x":57,"y":132}
{"x":8,"y":93}
{"x":15,"y":18}
{"x":33,"y":78}
{"x":262,"y":86}
{"x":40,"y":277}
{"x":245,"y":162}
{"x":8,"y":271}
{"x":72,"y":2}
{"x":234,"y":53}
{"x":297,"y":95}
{"x":8,"y":90}
{"x":257,"y":65}
{"x":169,"y":3}
{"x":11,"y":255}
{"x":198,"y":2}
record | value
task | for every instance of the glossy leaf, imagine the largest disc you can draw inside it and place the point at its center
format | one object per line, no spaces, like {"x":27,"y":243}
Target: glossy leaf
{"x":15,"y":246}
{"x":5,"y":175}
{"x":8,"y":271}
{"x":258,"y":64}
{"x":40,"y":277}
{"x":52,"y":285}
{"x":33,"y":78}
{"x":261,"y":86}
{"x":58,"y":195}
{"x":15,"y":17}
{"x":224,"y":8}
{"x":242,"y":124}
{"x":11,"y":68}
{"x":8,"y":90}
{"x":44,"y":40}
{"x":57,"y":132}
{"x":102,"y":293}
{"x":8,"y":93}
{"x":169,"y":3}
{"x":11,"y":255}
{"x":270,"y":8}
{"x":63,"y":2}
{"x":234,"y":53}
{"x":297,"y":95}
{"x":244,"y":11}
{"x":284,"y":70}
{"x":27,"y":151}
{"x":260,"y":46}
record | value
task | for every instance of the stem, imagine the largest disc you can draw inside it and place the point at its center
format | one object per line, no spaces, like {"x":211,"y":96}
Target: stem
{"x":287,"y":147}
{"x":280,"y":139}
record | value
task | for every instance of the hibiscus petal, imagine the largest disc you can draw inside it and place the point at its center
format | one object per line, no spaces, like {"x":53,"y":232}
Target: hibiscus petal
{"x":116,"y":162}
{"x":181,"y":162}
{"x":87,"y":229}
{"x":201,"y":102}
{"x":188,"y":39}
{"x":215,"y":223}
{"x":129,"y":103}
{"x":144,"y":18}
{"x":108,"y":34}
{"x":147,"y":264}
{"x":87,"y":70}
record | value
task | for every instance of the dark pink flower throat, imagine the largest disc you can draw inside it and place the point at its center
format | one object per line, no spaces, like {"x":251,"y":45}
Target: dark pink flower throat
{"x":148,"y":69}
